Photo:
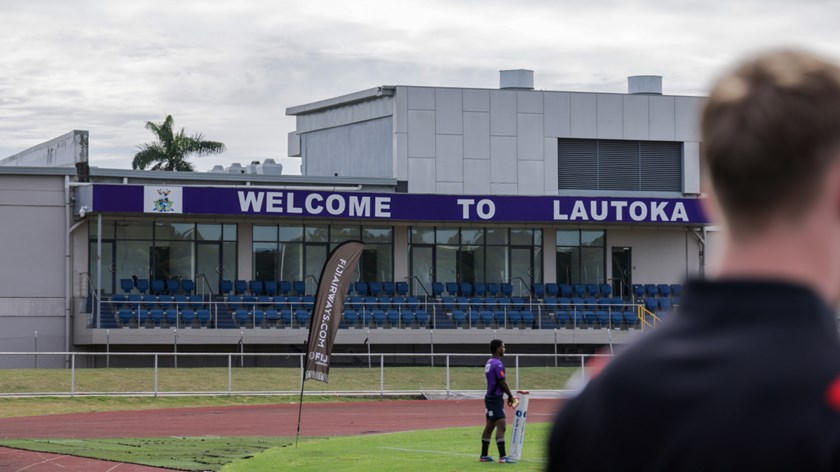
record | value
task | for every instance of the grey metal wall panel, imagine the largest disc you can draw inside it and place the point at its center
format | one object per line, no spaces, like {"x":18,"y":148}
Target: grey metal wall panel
{"x":691,"y":167}
{"x":356,"y":150}
{"x":502,"y":113}
{"x":449,"y":158}
{"x":609,"y":116}
{"x":401,"y":156}
{"x":503,"y":159}
{"x":662,"y":118}
{"x":577,"y":164}
{"x":476,"y":135}
{"x":557,"y":111}
{"x":33,"y":249}
{"x":348,"y":114}
{"x":421,"y":133}
{"x":421,"y":98}
{"x":530,"y":177}
{"x":687,"y":118}
{"x":401,"y":110}
{"x":448,"y":111}
{"x":583,"y":115}
{"x":635,"y":117}
{"x":476,"y":100}
{"x":421,"y":175}
{"x":500,"y":188}
{"x":476,"y":176}
{"x":550,"y":163}
{"x":529,"y":136}
{"x":450,"y":188}
{"x":530,"y":101}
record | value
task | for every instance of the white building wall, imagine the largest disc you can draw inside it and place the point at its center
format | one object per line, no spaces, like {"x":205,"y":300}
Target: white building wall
{"x":661,"y":255}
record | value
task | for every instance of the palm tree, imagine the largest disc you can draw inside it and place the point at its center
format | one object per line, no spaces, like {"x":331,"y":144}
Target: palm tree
{"x":171,"y":150}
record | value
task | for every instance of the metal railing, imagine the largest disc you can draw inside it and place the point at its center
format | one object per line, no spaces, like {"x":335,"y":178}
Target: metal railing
{"x":156,"y":374}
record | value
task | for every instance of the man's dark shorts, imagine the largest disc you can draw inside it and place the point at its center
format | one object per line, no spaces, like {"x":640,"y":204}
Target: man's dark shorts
{"x":494,"y":408}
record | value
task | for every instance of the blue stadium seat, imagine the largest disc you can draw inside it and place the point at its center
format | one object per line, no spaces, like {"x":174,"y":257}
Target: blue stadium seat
{"x":407,"y":318}
{"x":225,"y":287}
{"x":676,"y":290}
{"x":158,"y":286}
{"x":394,"y":318}
{"x":493,"y":289}
{"x":528,"y":318}
{"x":552,"y":290}
{"x":355,"y":303}
{"x":379,"y":317}
{"x":603,"y":318}
{"x":308,"y":302}
{"x":474,"y":317}
{"x":259,"y":317}
{"x":187,"y":286}
{"x":593,"y":290}
{"x":125,"y":316}
{"x":631,"y":318}
{"x":458,"y":317}
{"x":235,"y":302}
{"x":302,"y":317}
{"x":480,"y":289}
{"x":664,"y":290}
{"x":437,"y":289}
{"x":515,"y":318}
{"x":664,"y":304}
{"x":606,"y":290}
{"x":188,"y":317}
{"x":651,"y":304}
{"x":293,"y":302}
{"x":256,"y":287}
{"x":165,"y":301}
{"x":286,"y":317}
{"x":463,"y":303}
{"x":402,"y":288}
{"x":270,"y":287}
{"x":173,"y":286}
{"x":284,"y":287}
{"x":580,"y":290}
{"x":422,"y":318}
{"x":486,"y":317}
{"x":350,"y":318}
{"x":240,"y":287}
{"x":242,"y":316}
{"x":562,"y":317}
{"x":448,"y":303}
{"x":651,"y":290}
{"x":375,"y":288}
{"x":412,"y":303}
{"x":452,"y":288}
{"x":119,"y":300}
{"x":180,"y":301}
{"x":156,"y":316}
{"x":171,"y":316}
{"x":566,"y":290}
{"x":388,"y":288}
{"x":196,"y":302}
{"x":300,"y":287}
{"x":507,"y":289}
{"x":127,"y":285}
{"x":398,"y":303}
{"x":361,"y":288}
{"x":638,"y":291}
{"x":549,"y":304}
{"x":142,"y":285}
{"x":518,"y":303}
{"x":203,"y":315}
{"x":538,"y":290}
{"x":466,"y":288}
{"x":272,"y":316}
{"x":616,"y":318}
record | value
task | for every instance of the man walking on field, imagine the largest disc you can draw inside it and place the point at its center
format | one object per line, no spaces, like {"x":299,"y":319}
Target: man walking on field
{"x":494,"y":407}
{"x":746,"y":374}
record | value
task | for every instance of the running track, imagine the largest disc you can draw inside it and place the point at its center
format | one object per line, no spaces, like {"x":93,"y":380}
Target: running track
{"x":319,"y":419}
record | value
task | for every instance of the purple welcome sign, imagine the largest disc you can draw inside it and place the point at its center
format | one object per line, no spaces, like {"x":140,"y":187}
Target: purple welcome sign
{"x":395,"y":206}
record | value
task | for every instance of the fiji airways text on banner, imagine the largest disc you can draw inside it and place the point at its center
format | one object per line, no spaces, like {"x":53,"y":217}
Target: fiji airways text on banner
{"x":329,"y":305}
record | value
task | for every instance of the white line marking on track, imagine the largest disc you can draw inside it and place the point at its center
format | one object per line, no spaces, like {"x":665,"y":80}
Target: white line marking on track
{"x":112,"y":468}
{"x":41,"y":462}
{"x":425,"y":451}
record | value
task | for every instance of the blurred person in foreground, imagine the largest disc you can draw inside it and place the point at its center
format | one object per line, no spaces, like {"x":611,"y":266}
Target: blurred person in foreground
{"x":746,"y":374}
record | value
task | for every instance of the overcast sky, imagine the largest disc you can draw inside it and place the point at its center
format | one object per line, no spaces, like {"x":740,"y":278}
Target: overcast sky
{"x":229,"y":69}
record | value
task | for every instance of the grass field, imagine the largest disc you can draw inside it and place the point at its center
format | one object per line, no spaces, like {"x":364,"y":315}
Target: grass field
{"x":454,"y":449}
{"x":125,"y":380}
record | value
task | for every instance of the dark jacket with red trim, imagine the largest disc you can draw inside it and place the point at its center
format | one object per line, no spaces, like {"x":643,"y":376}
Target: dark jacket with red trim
{"x":745,"y":376}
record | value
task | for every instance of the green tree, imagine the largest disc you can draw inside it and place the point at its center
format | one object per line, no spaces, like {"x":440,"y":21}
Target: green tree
{"x":171,"y":150}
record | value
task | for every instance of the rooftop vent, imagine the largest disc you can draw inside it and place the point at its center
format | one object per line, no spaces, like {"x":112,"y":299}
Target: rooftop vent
{"x":517,"y":79}
{"x":644,"y":84}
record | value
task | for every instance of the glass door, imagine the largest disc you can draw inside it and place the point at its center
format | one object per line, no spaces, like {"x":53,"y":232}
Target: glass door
{"x":209,"y":265}
{"x":622,"y":273}
{"x":521,"y":270}
{"x":422,"y":269}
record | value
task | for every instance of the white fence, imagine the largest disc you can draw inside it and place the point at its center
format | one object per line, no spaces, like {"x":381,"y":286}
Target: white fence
{"x":179,"y":374}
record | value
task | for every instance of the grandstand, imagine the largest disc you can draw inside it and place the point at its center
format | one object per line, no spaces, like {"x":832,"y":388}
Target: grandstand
{"x":556,"y":220}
